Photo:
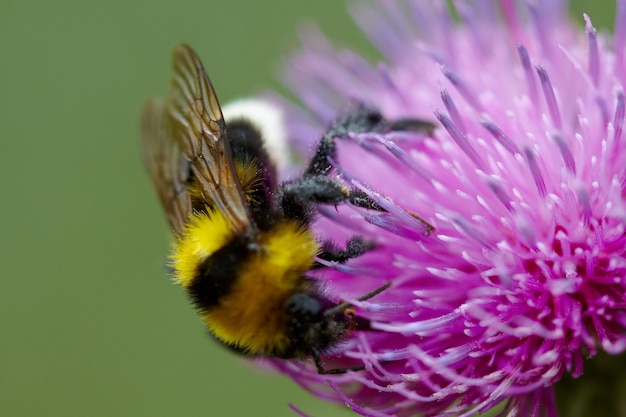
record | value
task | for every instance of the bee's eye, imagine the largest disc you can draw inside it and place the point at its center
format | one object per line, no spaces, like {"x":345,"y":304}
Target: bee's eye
{"x":303,"y":307}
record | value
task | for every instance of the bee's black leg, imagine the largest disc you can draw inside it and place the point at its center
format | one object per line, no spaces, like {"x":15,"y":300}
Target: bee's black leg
{"x":297,"y":198}
{"x":321,"y":189}
{"x":356,"y":247}
{"x":360,"y":199}
{"x":323,"y":371}
{"x":314,"y":186}
{"x":362,"y":119}
{"x":320,"y":164}
{"x":411,"y":125}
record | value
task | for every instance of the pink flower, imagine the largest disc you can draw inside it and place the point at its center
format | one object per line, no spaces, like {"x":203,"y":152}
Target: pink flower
{"x":523,"y":279}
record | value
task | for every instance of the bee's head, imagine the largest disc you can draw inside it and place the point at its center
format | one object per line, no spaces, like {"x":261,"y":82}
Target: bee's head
{"x":309,"y":324}
{"x":315,"y":324}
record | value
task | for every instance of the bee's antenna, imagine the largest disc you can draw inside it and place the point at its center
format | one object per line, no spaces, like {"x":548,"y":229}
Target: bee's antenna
{"x":346,"y":305}
{"x":336,"y":371}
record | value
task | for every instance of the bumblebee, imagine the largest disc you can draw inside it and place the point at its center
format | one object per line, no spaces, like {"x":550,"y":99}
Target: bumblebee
{"x":243,"y":242}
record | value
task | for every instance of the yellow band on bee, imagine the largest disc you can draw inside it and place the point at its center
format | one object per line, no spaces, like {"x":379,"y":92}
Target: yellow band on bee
{"x":204,"y":234}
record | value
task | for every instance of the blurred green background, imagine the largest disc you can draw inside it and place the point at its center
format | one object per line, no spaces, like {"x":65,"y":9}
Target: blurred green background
{"x":91,"y":325}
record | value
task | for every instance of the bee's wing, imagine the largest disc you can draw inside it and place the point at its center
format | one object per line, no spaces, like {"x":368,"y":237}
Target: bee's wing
{"x":168,"y":168}
{"x":198,"y":128}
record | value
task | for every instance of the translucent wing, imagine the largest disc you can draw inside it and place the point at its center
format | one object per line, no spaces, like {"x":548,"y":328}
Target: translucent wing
{"x":198,"y":128}
{"x":167,"y":166}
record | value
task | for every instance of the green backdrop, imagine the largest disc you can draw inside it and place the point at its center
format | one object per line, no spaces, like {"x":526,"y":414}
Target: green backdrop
{"x":90,"y":324}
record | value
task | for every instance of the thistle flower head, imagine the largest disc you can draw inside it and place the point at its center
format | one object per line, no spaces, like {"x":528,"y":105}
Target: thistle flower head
{"x":523,"y":179}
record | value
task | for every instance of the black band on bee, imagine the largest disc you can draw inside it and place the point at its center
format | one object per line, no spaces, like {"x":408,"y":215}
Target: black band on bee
{"x":215,"y":275}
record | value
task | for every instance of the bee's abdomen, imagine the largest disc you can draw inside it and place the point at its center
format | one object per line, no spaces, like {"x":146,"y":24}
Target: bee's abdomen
{"x":243,"y":301}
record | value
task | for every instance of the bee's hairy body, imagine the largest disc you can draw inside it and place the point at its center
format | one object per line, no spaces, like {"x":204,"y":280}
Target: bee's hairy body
{"x":244,"y":244}
{"x":229,"y":275}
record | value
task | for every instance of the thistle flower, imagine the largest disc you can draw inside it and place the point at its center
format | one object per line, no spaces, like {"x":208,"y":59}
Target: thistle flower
{"x":522,"y":283}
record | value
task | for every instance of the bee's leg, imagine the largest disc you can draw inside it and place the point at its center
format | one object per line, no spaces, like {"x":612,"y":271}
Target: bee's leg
{"x":324,"y":190}
{"x":320,"y":164}
{"x":323,"y":371}
{"x":411,"y":125}
{"x":346,"y":306}
{"x":297,"y":198}
{"x":360,"y":199}
{"x":360,"y":120}
{"x":356,"y":247}
{"x":314,"y":186}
